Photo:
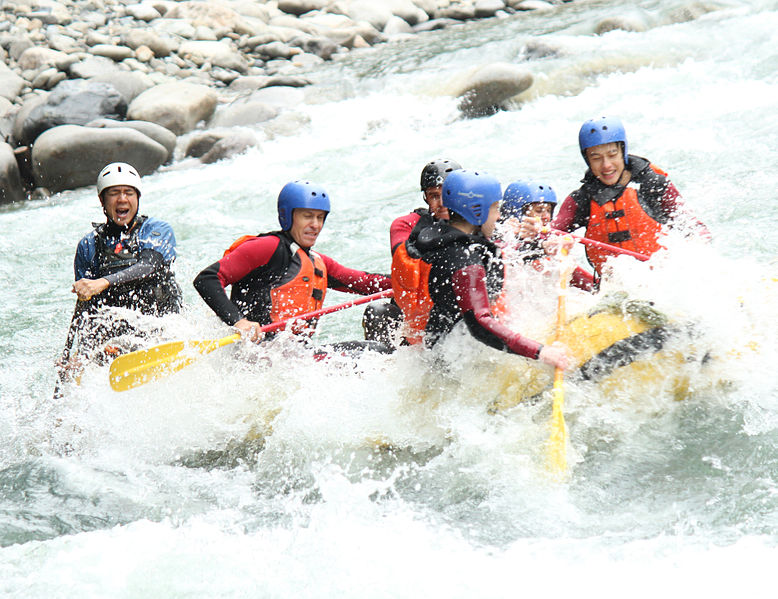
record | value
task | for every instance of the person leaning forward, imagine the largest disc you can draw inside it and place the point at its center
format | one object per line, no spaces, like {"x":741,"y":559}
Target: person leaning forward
{"x":277,"y":275}
{"x":126,"y":261}
{"x":466,"y":271}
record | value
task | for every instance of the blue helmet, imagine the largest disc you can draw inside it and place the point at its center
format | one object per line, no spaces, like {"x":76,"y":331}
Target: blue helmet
{"x":300,"y":194}
{"x":470,"y":194}
{"x":519,"y":194}
{"x":604,"y":130}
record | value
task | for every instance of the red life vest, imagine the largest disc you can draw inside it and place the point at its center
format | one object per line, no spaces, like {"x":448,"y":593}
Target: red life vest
{"x":410,"y":282}
{"x":624,"y":223}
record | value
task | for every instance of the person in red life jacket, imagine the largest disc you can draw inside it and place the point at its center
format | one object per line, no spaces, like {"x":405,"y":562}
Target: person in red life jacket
{"x":527,"y":200}
{"x":466,"y":271}
{"x":124,"y":262}
{"x":277,"y":275}
{"x":410,"y":305}
{"x":625,"y":200}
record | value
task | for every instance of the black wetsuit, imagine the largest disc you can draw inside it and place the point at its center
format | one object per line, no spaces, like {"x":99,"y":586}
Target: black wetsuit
{"x":466,"y":272}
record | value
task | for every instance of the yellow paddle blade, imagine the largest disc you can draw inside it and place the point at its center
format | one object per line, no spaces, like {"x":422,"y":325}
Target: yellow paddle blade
{"x":139,"y":367}
{"x":557,"y":440}
{"x":556,"y":448}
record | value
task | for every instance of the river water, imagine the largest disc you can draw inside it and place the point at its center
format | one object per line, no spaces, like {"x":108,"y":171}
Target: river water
{"x":276,"y":476}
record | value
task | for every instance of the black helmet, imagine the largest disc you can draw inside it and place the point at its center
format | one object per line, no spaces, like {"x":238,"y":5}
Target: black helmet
{"x":435,"y":172}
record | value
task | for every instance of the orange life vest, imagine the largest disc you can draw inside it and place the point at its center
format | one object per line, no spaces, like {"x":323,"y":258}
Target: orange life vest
{"x":410,"y":282}
{"x":303,"y":293}
{"x":624,"y":223}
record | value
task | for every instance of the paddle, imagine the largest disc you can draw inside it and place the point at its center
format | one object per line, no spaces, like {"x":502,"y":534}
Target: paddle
{"x":139,"y":367}
{"x":62,"y":368}
{"x":557,"y":441}
{"x":605,"y":246}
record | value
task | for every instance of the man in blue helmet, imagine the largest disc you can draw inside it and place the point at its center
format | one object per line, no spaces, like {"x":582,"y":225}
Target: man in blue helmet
{"x":526,"y":200}
{"x":466,"y":272}
{"x":277,"y":275}
{"x":625,"y":201}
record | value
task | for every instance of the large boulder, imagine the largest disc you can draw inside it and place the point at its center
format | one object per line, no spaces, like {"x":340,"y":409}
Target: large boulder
{"x":156,"y":132}
{"x":243,"y":112}
{"x":177,"y":106}
{"x":11,"y":189}
{"x":300,"y":7}
{"x":485,"y":89}
{"x":70,"y":156}
{"x":73,"y":102}
{"x":130,"y":84}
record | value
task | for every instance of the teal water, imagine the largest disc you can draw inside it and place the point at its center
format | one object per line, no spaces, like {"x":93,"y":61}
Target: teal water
{"x":277,"y":477}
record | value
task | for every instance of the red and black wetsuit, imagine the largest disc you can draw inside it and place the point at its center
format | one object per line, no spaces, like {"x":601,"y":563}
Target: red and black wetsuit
{"x":262,"y":264}
{"x":403,"y":227}
{"x":466,"y":272}
{"x":629,"y":216}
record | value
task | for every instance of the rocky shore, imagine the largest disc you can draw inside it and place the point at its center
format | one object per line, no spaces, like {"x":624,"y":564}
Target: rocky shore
{"x":87,"y":82}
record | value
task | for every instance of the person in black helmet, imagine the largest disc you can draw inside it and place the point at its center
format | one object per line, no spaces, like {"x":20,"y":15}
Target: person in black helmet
{"x":381,"y":321}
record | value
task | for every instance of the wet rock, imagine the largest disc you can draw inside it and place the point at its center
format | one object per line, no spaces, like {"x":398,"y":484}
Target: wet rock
{"x":158,"y":133}
{"x":11,"y":189}
{"x":287,"y":123}
{"x":28,"y":106}
{"x":18,"y":46}
{"x":93,"y":66}
{"x":176,"y":106}
{"x":145,"y":11}
{"x":244,"y":112}
{"x":623,"y":23}
{"x":460,"y":12}
{"x":300,"y":7}
{"x":536,"y":49}
{"x":235,"y":143}
{"x":397,"y":26}
{"x":692,"y":11}
{"x":483,"y":9}
{"x":161,"y":46}
{"x":47,"y":79}
{"x":7,"y":117}
{"x":486,"y":88}
{"x":216,"y":53}
{"x":36,"y":57}
{"x":375,"y":13}
{"x":11,"y":85}
{"x":130,"y":84}
{"x":115,"y":53}
{"x":530,"y":5}
{"x":218,"y":17}
{"x":67,"y":157}
{"x":73,"y":102}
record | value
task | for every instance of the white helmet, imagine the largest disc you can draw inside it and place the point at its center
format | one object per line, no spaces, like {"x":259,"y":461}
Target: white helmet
{"x":118,"y":173}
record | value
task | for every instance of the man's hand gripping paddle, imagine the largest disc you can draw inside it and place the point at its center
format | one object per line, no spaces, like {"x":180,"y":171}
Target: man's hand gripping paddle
{"x":145,"y":365}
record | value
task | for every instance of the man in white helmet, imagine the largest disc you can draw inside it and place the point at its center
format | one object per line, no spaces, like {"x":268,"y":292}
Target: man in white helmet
{"x":125,"y":261}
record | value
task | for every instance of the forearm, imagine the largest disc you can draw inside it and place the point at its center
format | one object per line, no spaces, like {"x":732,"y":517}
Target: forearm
{"x":341,"y":278}
{"x":209,"y":287}
{"x":149,"y":263}
{"x":470,"y":290}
